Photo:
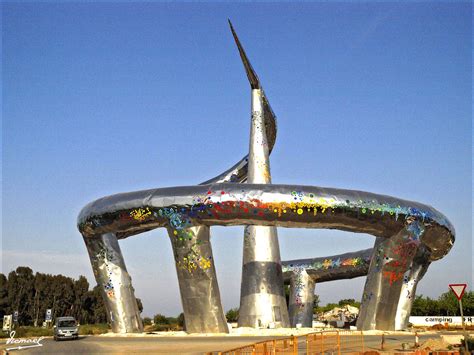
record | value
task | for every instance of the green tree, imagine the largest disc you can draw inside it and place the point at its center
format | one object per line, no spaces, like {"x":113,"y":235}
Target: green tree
{"x":62,"y":292}
{"x":87,"y":309}
{"x":349,"y":301}
{"x":41,"y":285}
{"x":448,"y":304}
{"x":32,"y":294}
{"x":172,"y":320}
{"x":81,"y":287}
{"x":181,"y":321}
{"x":99,"y":310}
{"x":327,"y":307}
{"x":232,"y":315}
{"x":468,"y":303}
{"x":4,"y":309}
{"x":20,"y":294}
{"x":316,"y":301}
{"x":147,"y":321}
{"x":432,"y":306}
{"x":160,"y":319}
{"x":419,"y":307}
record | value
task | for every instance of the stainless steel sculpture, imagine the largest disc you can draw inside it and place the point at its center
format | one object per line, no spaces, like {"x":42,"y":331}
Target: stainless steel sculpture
{"x":262,"y":298}
{"x":409,"y":236}
{"x":303,"y":275}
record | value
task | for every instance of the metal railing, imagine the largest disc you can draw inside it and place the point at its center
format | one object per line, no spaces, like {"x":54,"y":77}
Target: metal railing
{"x":324,"y":342}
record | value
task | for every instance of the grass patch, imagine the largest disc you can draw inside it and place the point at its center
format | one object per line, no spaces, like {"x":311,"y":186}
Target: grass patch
{"x":93,"y":329}
{"x":29,"y":332}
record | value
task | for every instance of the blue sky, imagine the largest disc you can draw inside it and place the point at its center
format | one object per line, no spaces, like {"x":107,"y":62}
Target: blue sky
{"x":101,"y":98}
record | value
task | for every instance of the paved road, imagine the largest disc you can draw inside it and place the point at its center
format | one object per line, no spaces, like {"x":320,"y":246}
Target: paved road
{"x":122,"y":345}
{"x":185,"y":345}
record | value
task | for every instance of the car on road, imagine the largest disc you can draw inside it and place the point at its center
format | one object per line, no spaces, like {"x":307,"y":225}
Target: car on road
{"x":66,"y":328}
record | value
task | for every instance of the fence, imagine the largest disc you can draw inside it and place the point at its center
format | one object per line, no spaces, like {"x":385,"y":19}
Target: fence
{"x":330,"y":342}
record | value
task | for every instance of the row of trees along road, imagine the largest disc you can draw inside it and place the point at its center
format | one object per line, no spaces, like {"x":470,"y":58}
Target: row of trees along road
{"x":446,"y":305}
{"x":31,"y":294}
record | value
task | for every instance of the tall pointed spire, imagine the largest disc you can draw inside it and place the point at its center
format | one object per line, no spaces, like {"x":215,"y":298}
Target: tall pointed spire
{"x":252,"y":76}
{"x":262,"y":297}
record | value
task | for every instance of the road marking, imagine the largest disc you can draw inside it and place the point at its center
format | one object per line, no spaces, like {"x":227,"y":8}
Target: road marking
{"x":24,"y":347}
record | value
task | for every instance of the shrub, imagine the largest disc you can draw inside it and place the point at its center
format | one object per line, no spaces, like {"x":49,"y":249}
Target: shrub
{"x":232,"y":315}
{"x":27,"y":331}
{"x":181,"y":320}
{"x":93,"y":329}
{"x":470,"y":343}
{"x":160,"y":319}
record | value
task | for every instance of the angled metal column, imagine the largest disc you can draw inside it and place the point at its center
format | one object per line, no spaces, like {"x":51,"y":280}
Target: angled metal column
{"x":410,"y":281}
{"x":115,"y":283}
{"x":393,"y":271}
{"x":301,"y":298}
{"x":197,"y":279}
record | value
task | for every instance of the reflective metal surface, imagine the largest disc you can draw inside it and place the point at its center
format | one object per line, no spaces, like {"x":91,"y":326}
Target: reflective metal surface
{"x":398,"y":264}
{"x":329,"y":268}
{"x":296,"y":206}
{"x":301,"y":298}
{"x":262,"y":298}
{"x":411,"y":278}
{"x":197,"y":280}
{"x":303,"y":274}
{"x":409,"y":235}
{"x":397,"y":222}
{"x":116,"y":284}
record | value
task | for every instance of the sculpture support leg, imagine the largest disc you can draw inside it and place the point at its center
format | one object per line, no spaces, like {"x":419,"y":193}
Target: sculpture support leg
{"x":115,"y":282}
{"x":407,"y":295}
{"x":368,"y":307}
{"x":262,"y":298}
{"x":390,"y":268}
{"x":301,"y":298}
{"x":197,"y":280}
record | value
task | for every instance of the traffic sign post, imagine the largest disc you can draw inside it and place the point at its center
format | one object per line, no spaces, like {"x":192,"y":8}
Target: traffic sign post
{"x":15,"y":319}
{"x":48,"y":318}
{"x":458,"y":290}
{"x":48,"y":315}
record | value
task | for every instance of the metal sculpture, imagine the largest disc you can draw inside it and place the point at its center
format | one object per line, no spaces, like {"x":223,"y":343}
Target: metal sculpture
{"x":262,"y":300}
{"x":303,"y":275}
{"x":409,"y":236}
